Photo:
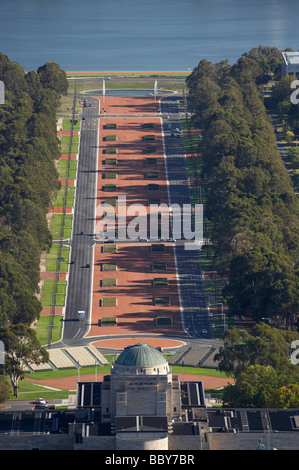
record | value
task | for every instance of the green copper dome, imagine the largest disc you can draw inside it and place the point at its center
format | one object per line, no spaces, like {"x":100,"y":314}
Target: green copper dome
{"x":140,"y":355}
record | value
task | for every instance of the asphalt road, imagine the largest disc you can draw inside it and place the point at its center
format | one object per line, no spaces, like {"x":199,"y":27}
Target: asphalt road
{"x":80,"y":276}
{"x":195,"y":312}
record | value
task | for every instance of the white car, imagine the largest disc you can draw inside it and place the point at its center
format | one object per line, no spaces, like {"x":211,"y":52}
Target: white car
{"x":143,"y":239}
{"x":40,"y":401}
{"x":172,"y":240}
{"x":204,"y":331}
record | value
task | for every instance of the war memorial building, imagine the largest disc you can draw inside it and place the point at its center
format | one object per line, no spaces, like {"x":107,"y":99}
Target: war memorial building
{"x":142,"y":405}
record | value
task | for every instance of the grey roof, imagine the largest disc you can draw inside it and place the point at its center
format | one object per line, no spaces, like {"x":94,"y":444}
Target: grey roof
{"x":141,"y":355}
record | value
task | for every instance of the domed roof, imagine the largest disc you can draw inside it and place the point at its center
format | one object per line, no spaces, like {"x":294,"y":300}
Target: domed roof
{"x":140,"y":355}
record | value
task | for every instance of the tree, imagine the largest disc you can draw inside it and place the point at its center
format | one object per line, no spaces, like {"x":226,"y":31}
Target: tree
{"x":21,"y":345}
{"x":5,"y":389}
{"x":285,"y":397}
{"x":253,"y":387}
{"x":51,"y":76}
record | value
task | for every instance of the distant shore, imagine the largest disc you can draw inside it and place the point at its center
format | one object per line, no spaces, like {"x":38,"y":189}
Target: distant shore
{"x":131,"y":73}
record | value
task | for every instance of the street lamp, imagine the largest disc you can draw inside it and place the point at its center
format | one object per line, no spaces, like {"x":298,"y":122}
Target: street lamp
{"x":222,"y":314}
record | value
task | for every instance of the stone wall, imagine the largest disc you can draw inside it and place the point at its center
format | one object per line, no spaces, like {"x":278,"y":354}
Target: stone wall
{"x":250,"y":441}
{"x":40,"y":442}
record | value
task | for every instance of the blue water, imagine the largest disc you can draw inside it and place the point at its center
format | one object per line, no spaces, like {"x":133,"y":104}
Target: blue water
{"x":133,"y":35}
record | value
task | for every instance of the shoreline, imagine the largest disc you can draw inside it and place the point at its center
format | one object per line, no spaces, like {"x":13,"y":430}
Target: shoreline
{"x":144,"y":72}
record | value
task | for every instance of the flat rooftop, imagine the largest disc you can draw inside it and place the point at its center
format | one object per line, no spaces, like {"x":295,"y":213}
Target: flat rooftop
{"x":291,"y":58}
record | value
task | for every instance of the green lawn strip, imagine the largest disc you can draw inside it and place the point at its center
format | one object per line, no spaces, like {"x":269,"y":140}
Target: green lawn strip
{"x":110,"y":188}
{"x":110,"y":161}
{"x":52,"y":258}
{"x":109,"y":282}
{"x":151,"y":161}
{"x":158,"y":248}
{"x":56,"y":225}
{"x":110,"y":150}
{"x":65,"y":197}
{"x":29,"y":391}
{"x":153,"y":187}
{"x":65,"y":144}
{"x":191,"y":143}
{"x":109,"y":302}
{"x":149,"y":150}
{"x":152,"y":175}
{"x":160,"y":281}
{"x":109,"y":321}
{"x":109,"y":248}
{"x":110,"y":138}
{"x":164,"y":321}
{"x":64,"y":164}
{"x":42,"y":329}
{"x":162,"y":301}
{"x":110,"y":175}
{"x":66,"y":106}
{"x":159,"y":266}
{"x":47,"y":297}
{"x":67,"y":125}
{"x":109,"y":267}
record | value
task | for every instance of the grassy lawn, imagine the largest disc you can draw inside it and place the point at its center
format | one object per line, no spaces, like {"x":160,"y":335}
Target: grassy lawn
{"x":111,"y":201}
{"x":67,"y":125}
{"x":150,"y":150}
{"x":110,"y":188}
{"x":66,"y":105}
{"x":159,"y":267}
{"x":109,"y":267}
{"x":48,"y":291}
{"x":149,"y":137}
{"x":56,"y":226}
{"x":109,"y":282}
{"x":109,"y":321}
{"x":110,"y":150}
{"x":160,"y":281}
{"x":67,"y":168}
{"x":110,"y":175}
{"x":151,"y":161}
{"x":52,"y":257}
{"x":65,"y":197}
{"x":152,"y":175}
{"x":164,"y":321}
{"x":158,"y":247}
{"x":42,"y":329}
{"x":65,"y":144}
{"x":110,"y":138}
{"x":163,"y":301}
{"x":110,"y":161}
{"x":153,"y":187}
{"x":109,"y":302}
{"x":109,"y":248}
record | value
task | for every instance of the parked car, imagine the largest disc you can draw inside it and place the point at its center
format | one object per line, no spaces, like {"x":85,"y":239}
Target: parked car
{"x":40,"y":401}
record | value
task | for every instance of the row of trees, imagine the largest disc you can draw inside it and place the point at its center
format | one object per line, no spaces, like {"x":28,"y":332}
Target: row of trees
{"x":265,"y":377}
{"x":251,"y":202}
{"x":29,"y":148}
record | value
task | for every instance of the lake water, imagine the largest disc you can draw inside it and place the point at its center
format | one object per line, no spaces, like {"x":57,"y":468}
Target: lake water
{"x":132,"y":35}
